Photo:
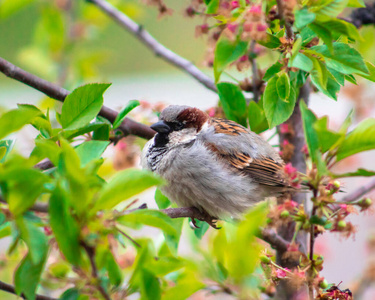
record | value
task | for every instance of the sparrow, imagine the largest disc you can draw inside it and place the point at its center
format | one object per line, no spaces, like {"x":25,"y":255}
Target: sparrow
{"x":215,"y":165}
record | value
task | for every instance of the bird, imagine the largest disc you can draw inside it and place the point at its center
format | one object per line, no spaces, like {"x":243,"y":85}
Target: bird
{"x":215,"y":165}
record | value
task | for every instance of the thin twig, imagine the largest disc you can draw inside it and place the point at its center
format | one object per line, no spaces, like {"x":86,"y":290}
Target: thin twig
{"x":254,"y":71}
{"x":44,"y":165}
{"x":128,"y":237}
{"x":94,"y":270}
{"x":358,"y":193}
{"x":52,"y":90}
{"x":150,"y":42}
{"x":10,"y":289}
{"x":288,"y":27}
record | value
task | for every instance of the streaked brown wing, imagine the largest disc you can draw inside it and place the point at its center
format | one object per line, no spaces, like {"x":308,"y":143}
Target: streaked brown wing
{"x":227,"y":126}
{"x":263,"y":170}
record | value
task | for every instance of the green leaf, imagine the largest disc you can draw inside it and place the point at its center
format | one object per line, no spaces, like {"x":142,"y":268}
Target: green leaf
{"x":326,"y":137}
{"x":46,"y":148}
{"x":114,"y":271}
{"x":351,"y":79}
{"x":337,"y":26}
{"x":23,"y":187}
{"x":274,"y":69}
{"x":186,"y":285}
{"x":324,"y":33}
{"x":303,"y":17}
{"x":340,"y":78}
{"x":344,"y":59}
{"x":164,"y":265}
{"x":312,"y":140}
{"x":307,"y":35}
{"x":34,"y":238}
{"x":122,"y":114}
{"x":82,"y":105}
{"x":91,"y":127}
{"x":333,"y":87}
{"x":5,"y":230}
{"x":15,"y":119}
{"x":91,"y":150}
{"x":125,"y":184}
{"x":270,"y":41}
{"x":153,"y":218}
{"x":27,"y":277}
{"x":319,"y":77}
{"x":64,"y":226}
{"x":102,"y":133}
{"x":6,"y":146}
{"x":332,"y":8}
{"x":362,"y":138}
{"x":150,"y":285}
{"x":302,"y":62}
{"x":358,"y":173}
{"x":10,"y":7}
{"x":212,"y":6}
{"x":233,"y":102}
{"x":276,"y":110}
{"x":70,"y":294}
{"x":202,"y":228}
{"x":161,"y":200}
{"x":356,"y":3}
{"x":371,"y":69}
{"x":172,"y":240}
{"x":226,"y":52}
{"x":77,"y":188}
{"x":257,"y":118}
{"x":311,"y":136}
{"x":283,"y":86}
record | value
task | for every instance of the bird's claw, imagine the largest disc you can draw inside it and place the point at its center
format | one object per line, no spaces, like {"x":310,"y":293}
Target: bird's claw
{"x":210,"y":220}
{"x":194,"y":222}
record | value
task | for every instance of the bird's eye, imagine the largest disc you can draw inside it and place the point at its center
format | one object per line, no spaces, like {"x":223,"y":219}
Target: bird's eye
{"x":178,"y":126}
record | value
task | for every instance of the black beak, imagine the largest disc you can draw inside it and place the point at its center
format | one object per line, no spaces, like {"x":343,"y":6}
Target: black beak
{"x":161,"y":127}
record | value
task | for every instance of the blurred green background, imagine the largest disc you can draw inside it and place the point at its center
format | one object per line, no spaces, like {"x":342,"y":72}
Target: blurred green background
{"x":31,"y":38}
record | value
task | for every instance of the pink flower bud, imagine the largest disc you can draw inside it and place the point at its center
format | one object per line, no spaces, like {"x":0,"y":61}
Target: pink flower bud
{"x":261,"y":27}
{"x":280,"y":273}
{"x":256,"y":10}
{"x":211,"y":112}
{"x":235,"y":4}
{"x":243,"y":58}
{"x":225,"y":5}
{"x":47,"y":230}
{"x":285,"y":143}
{"x":284,"y":128}
{"x":204,"y":28}
{"x":232,"y":27}
{"x":289,"y":169}
{"x":248,"y":26}
{"x":305,"y":150}
{"x":121,"y":145}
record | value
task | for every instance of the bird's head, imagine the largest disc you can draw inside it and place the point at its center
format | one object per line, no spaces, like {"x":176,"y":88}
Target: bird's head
{"x":178,"y":125}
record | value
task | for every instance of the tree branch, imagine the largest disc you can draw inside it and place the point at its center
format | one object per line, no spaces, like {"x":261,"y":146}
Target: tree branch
{"x":288,"y":27}
{"x":150,"y":42}
{"x":254,"y":69}
{"x":10,"y":289}
{"x":358,"y":193}
{"x":52,"y":90}
{"x":94,"y":270}
{"x":268,"y":235}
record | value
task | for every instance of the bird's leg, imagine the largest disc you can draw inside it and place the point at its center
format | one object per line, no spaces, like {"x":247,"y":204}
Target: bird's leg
{"x":210,"y":220}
